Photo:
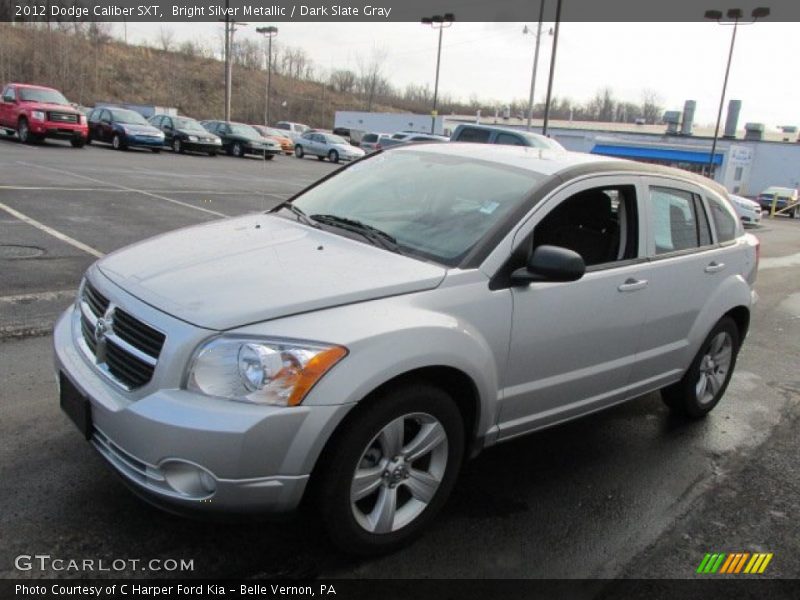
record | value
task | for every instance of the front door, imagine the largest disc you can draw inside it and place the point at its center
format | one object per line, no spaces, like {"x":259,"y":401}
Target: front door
{"x":573,"y":344}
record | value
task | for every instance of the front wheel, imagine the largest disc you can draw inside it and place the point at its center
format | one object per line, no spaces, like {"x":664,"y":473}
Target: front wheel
{"x":177,"y":146}
{"x":117,"y":142}
{"x":155,"y":150}
{"x":24,"y":132}
{"x":333,"y":156}
{"x":269,"y":156}
{"x":708,"y":376}
{"x":390,"y":469}
{"x":77,"y":142}
{"x":238,"y":150}
{"x":298,"y":151}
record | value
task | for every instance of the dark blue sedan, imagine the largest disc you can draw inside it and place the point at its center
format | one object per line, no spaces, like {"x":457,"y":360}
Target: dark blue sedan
{"x":123,"y":129}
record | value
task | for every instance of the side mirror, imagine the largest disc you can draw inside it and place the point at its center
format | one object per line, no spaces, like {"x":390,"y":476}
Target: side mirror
{"x":550,"y":263}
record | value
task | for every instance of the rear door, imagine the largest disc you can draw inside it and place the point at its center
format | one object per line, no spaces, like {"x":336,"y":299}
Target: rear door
{"x":688,"y":260}
{"x":7,"y":102}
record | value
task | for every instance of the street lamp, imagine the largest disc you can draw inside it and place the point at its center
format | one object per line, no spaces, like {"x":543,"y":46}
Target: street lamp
{"x":734,"y":16}
{"x":538,"y":35}
{"x":552,"y":70}
{"x":438,"y":22}
{"x":268,"y":32}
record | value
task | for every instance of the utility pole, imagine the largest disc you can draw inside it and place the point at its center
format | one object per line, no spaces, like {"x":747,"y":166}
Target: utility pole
{"x":269,"y":32}
{"x":535,"y":61}
{"x":552,"y":70}
{"x":227,"y":63}
{"x":438,"y":22}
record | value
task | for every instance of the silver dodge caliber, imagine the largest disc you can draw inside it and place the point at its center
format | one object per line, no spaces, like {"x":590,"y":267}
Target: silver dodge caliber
{"x":358,"y":342}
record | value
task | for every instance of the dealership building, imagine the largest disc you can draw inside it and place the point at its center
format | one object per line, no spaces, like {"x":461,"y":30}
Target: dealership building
{"x":745,"y":161}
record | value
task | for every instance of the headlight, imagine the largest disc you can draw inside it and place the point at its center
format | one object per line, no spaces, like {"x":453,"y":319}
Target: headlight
{"x":192,"y":138}
{"x":37,"y":115}
{"x":82,"y":119}
{"x":260,"y":371}
{"x":217,"y":141}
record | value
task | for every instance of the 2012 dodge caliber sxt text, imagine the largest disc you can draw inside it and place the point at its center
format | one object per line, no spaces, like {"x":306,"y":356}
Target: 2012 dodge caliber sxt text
{"x":358,"y":342}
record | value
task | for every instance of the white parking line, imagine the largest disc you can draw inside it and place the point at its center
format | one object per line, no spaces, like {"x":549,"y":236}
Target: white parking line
{"x":27,"y":188}
{"x":126,"y":188}
{"x":50,"y":231}
{"x":37,"y":297}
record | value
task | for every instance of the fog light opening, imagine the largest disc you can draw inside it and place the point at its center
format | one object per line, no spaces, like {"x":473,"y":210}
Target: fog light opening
{"x":189,"y":480}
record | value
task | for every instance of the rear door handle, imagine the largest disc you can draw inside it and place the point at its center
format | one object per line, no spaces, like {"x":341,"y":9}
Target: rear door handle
{"x":714,"y":267}
{"x":632,"y":285}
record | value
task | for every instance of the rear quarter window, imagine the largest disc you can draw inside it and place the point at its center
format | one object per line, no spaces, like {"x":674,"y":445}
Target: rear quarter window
{"x":473,"y":134}
{"x":724,"y":219}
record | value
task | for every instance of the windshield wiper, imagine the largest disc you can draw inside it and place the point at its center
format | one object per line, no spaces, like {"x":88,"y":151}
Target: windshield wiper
{"x":373,"y":234}
{"x":301,"y":216}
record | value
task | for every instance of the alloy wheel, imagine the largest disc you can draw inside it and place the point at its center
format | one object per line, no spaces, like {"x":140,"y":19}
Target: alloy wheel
{"x":399,"y":473}
{"x":714,"y":367}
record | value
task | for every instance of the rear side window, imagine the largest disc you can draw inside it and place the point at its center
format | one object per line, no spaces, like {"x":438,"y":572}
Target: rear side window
{"x":472,"y":134}
{"x":674,"y":220}
{"x":724,"y":220}
{"x":508,"y":139}
{"x":370,"y":137}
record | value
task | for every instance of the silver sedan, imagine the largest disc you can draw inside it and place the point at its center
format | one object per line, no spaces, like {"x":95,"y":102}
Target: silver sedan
{"x":326,"y":145}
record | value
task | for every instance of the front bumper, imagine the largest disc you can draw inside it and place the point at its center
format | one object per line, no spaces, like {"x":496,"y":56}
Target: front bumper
{"x":52,"y":129}
{"x":143,"y":141}
{"x":201,"y":146}
{"x":259,"y":458}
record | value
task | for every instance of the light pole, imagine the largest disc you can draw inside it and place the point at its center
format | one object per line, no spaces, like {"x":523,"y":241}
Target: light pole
{"x":269,"y":32}
{"x":538,"y":35}
{"x":552,"y":70}
{"x":734,"y":16}
{"x":438,"y":22}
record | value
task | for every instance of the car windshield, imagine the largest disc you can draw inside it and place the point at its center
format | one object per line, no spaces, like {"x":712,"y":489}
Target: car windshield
{"x":335,"y":139}
{"x":244,"y":130}
{"x":39,"y":95}
{"x":275,"y":132}
{"x":434,"y":205}
{"x":128,"y":116}
{"x":189,"y":125}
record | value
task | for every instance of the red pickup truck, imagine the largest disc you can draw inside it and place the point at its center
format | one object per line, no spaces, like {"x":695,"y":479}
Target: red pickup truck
{"x":34,"y":113}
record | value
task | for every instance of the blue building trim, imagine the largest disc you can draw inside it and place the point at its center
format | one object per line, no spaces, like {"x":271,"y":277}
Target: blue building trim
{"x":650,"y":153}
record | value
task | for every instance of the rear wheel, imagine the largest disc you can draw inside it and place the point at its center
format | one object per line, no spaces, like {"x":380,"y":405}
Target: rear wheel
{"x":177,"y":146}
{"x":705,"y":382}
{"x":269,"y":156}
{"x":213,"y":153}
{"x":298,"y":151}
{"x":390,"y":469}
{"x":155,"y":150}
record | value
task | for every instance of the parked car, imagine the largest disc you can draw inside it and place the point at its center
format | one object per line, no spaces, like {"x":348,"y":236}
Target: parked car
{"x":749,"y":211}
{"x":182,"y":134}
{"x":782,"y":197}
{"x":34,"y":113}
{"x":293,"y":130}
{"x":326,"y":145}
{"x":123,"y":129}
{"x":370,"y":142}
{"x":488,"y":134}
{"x":401,"y":138}
{"x":239,"y":139}
{"x":276,"y":135}
{"x":363,"y":339}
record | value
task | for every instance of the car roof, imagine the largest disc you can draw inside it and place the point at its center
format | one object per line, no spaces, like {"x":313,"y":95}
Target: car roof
{"x":548,"y":162}
{"x":32,"y":87}
{"x":774,"y":189}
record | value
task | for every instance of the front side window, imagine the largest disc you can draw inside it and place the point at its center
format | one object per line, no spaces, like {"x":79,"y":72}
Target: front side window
{"x":600,"y":224}
{"x":9,"y":95}
{"x":724,"y":219}
{"x":508,"y":139}
{"x":435,"y":206}
{"x":673,"y":219}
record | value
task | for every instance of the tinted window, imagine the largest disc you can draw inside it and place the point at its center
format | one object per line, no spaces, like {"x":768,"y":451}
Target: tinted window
{"x":703,"y":226}
{"x":9,"y":95}
{"x":156,"y":121}
{"x":471,"y":134}
{"x":673,"y":220}
{"x":282,"y":126}
{"x":508,"y":139}
{"x":370,"y":137}
{"x":724,"y":219}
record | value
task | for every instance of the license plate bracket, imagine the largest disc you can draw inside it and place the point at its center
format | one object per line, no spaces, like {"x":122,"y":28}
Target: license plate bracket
{"x":76,"y":405}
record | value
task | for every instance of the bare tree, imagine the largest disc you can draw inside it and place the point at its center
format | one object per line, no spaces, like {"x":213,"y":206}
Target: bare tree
{"x":370,"y":74}
{"x":651,"y":106}
{"x":166,"y":39}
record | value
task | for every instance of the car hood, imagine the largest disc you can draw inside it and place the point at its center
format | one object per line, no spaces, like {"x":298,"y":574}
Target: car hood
{"x":65,"y":108}
{"x":259,"y":267}
{"x":195,"y":133}
{"x":136,"y":129}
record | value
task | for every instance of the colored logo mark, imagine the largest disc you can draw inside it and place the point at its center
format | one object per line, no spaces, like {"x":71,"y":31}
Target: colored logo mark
{"x":734,"y":563}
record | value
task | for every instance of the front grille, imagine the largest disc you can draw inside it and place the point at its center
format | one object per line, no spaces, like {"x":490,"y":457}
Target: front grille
{"x":62,"y":117}
{"x":123,"y":347}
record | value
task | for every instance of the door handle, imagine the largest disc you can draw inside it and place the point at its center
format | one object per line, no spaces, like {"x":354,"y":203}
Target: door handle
{"x":632,"y":285}
{"x":714,"y":267}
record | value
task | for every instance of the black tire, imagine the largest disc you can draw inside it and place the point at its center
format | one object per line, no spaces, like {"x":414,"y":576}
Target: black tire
{"x":117,"y":142}
{"x":229,"y":150}
{"x":333,"y":476}
{"x":320,"y":158}
{"x":269,"y":156}
{"x":682,"y":397}
{"x":155,"y":150}
{"x":9,"y":132}
{"x":89,"y":139}
{"x":333,"y":156}
{"x":238,"y":150}
{"x":298,"y":151}
{"x":78,"y":142}
{"x":177,"y":146}
{"x":213,"y":154}
{"x":24,"y":132}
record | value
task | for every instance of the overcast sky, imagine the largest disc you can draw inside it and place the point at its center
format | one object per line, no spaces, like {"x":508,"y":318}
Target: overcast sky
{"x":679,"y":61}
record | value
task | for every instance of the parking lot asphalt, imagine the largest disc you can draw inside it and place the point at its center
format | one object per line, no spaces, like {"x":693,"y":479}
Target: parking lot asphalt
{"x":586,"y":499}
